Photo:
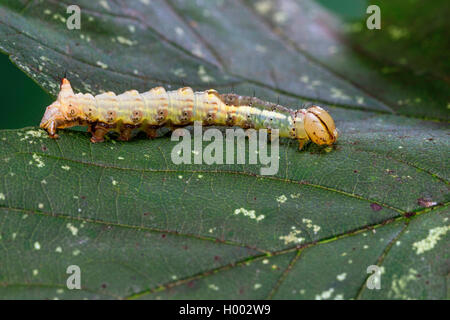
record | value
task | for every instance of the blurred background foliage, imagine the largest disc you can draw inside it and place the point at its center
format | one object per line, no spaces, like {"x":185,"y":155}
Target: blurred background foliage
{"x":22,"y":99}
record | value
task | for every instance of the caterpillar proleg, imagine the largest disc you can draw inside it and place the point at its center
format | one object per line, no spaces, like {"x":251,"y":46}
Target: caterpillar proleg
{"x":157,"y":108}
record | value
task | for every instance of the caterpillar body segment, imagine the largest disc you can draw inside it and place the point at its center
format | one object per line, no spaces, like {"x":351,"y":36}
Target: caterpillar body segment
{"x":157,"y":108}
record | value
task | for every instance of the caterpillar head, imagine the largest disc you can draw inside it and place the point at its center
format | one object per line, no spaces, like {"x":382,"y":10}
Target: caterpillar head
{"x":61,"y":113}
{"x":316,"y":124}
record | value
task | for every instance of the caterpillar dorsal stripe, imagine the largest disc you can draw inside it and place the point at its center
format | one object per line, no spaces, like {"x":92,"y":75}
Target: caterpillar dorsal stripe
{"x":157,"y":108}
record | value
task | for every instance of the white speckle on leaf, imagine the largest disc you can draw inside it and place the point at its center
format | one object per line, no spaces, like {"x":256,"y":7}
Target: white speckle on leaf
{"x":197,"y":50}
{"x":399,"y":284}
{"x":203,"y":75}
{"x":342,"y":276}
{"x":292,"y":237}
{"x":359,"y":100}
{"x":263,"y":7}
{"x":280,"y":17}
{"x":72,"y":228}
{"x":126,"y":41}
{"x":102,"y":65}
{"x":179,"y":72}
{"x":105,"y":4}
{"x":249,"y":213}
{"x":59,"y":17}
{"x":37,"y":246}
{"x":434,"y":235}
{"x":36,"y":134}
{"x":282,"y":199}
{"x":338,"y":94}
{"x":67,"y":168}
{"x":260,"y":48}
{"x":179,"y":31}
{"x":397,"y":33}
{"x":325,"y":295}
{"x":310,"y":225}
{"x":213,"y":287}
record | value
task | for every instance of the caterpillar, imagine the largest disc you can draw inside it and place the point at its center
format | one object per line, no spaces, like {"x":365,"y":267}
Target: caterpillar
{"x":157,"y":108}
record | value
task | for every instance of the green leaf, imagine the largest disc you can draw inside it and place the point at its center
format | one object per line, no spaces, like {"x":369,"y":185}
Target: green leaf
{"x":140,"y":226}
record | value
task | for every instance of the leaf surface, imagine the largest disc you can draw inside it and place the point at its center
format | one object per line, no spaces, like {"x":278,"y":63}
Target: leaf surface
{"x":140,"y":226}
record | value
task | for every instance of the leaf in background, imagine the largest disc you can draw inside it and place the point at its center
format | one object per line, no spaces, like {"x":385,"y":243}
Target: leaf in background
{"x":403,"y":66}
{"x":141,"y":227}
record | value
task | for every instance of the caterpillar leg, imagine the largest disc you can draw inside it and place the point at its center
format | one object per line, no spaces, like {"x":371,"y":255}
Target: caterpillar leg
{"x":301,"y":143}
{"x":51,"y":130}
{"x":151,"y":133}
{"x":125,"y":134}
{"x":98,"y":134}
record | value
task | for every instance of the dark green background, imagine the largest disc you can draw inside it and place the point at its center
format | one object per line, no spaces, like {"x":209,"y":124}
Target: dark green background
{"x":24,"y":101}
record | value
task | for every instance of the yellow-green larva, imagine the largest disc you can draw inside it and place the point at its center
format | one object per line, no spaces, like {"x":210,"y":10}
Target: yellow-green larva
{"x":157,"y":107}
